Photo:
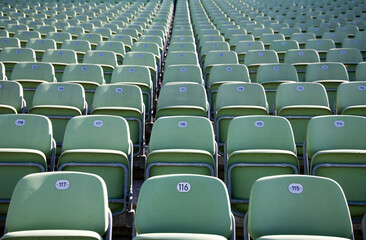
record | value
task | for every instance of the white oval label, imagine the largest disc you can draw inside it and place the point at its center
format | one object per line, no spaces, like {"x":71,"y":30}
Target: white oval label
{"x":131,"y":69}
{"x":240,"y":89}
{"x":221,"y":54}
{"x":276,"y":68}
{"x":260,"y":54}
{"x":1,"y":86}
{"x":295,"y":188}
{"x":300,"y":88}
{"x":84,"y":68}
{"x":229,"y":69}
{"x":181,"y":55}
{"x":18,"y":51}
{"x":60,"y":88}
{"x":283,"y":43}
{"x":182,"y":124}
{"x":342,"y":52}
{"x":301,"y":53}
{"x":182,"y":69}
{"x":34,"y":66}
{"x":259,"y":124}
{"x":339,"y":123}
{"x":182,"y":89}
{"x":362,"y":87}
{"x":60,"y":53}
{"x":183,"y":187}
{"x":20,"y":122}
{"x":98,"y":123}
{"x":100,"y":54}
{"x":139,"y":55}
{"x":325,"y":67}
{"x":119,"y":90}
{"x":62,"y":184}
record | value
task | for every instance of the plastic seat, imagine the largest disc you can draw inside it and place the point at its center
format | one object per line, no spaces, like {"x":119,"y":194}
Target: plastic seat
{"x":90,"y":76}
{"x":101,"y":145}
{"x":10,"y":56}
{"x":73,"y":217}
{"x":329,"y":74}
{"x":182,"y":99}
{"x":40,"y":46}
{"x":299,"y":102}
{"x":9,"y":42}
{"x":270,"y":76}
{"x":182,"y":73}
{"x":176,"y":137}
{"x":11,"y":98}
{"x":257,"y":146}
{"x":105,"y":32}
{"x":358,"y":43}
{"x":351,"y":98}
{"x":350,"y":57}
{"x":202,"y":212}
{"x":335,"y":149}
{"x":60,"y":102}
{"x":152,"y":38}
{"x":79,"y":46}
{"x":93,"y":38}
{"x":282,"y":46}
{"x":224,"y":73}
{"x":106,"y":59}
{"x":181,"y":46}
{"x":150,"y":47}
{"x":302,"y":38}
{"x":59,"y":37}
{"x":13,"y":28}
{"x":30,"y":75}
{"x":237,"y":99}
{"x":26,"y":146}
{"x":268,"y":38}
{"x":139,"y":76}
{"x":277,"y":199}
{"x":178,"y":58}
{"x":360,"y":74}
{"x":25,"y":36}
{"x":321,"y":46}
{"x":59,"y":58}
{"x":301,"y":59}
{"x":242,"y":47}
{"x":206,"y":47}
{"x":125,"y":101}
{"x":350,"y":30}
{"x":182,"y":38}
{"x":210,"y":38}
{"x":218,"y":57}
{"x":254,"y":58}
{"x":45,"y":29}
{"x":74,"y":31}
{"x":125,"y":39}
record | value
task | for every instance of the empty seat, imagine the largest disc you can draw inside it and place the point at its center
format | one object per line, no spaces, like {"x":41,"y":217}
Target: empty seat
{"x":182,"y":73}
{"x":101,"y":145}
{"x":350,"y":57}
{"x":59,"y":102}
{"x":335,"y":148}
{"x":282,"y":46}
{"x":196,"y":207}
{"x":302,"y":38}
{"x":25,"y":36}
{"x":9,"y":42}
{"x":26,"y":146}
{"x":254,"y":58}
{"x":358,"y":43}
{"x":330,"y":74}
{"x":237,"y":99}
{"x":116,"y":46}
{"x":257,"y":146}
{"x":106,"y":59}
{"x":30,"y":75}
{"x":360,"y":74}
{"x":59,"y":37}
{"x":300,"y":59}
{"x":277,"y":200}
{"x":218,"y":57}
{"x":90,"y":76}
{"x":35,"y":198}
{"x":93,"y":38}
{"x":321,"y":46}
{"x":182,"y":144}
{"x":351,"y":98}
{"x":125,"y":101}
{"x":79,"y":46}
{"x":183,"y":57}
{"x":299,"y":102}
{"x":40,"y":46}
{"x":125,"y":39}
{"x":9,"y":56}
{"x":182,"y":99}
{"x":59,"y":58}
{"x":270,"y":76}
{"x":11,"y":98}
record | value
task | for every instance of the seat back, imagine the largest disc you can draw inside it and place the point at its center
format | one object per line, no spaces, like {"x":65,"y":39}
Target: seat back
{"x":77,"y":45}
{"x":335,"y":132}
{"x":276,"y":201}
{"x":350,"y":97}
{"x":192,"y":204}
{"x":268,"y":73}
{"x":59,"y":56}
{"x":140,"y":59}
{"x":102,"y":57}
{"x":97,"y":132}
{"x":228,"y":72}
{"x":17,"y":54}
{"x":175,"y":58}
{"x":302,"y":56}
{"x":183,"y":132}
{"x":344,"y":55}
{"x":182,"y":73}
{"x":9,"y":42}
{"x":132,"y":74}
{"x":41,"y":44}
{"x":35,"y":197}
{"x":39,"y":71}
{"x":83,"y":72}
{"x":115,"y":46}
{"x":255,"y":57}
{"x":326,"y":71}
{"x":11,"y":95}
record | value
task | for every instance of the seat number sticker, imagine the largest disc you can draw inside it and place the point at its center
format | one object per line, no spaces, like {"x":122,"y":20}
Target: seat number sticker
{"x":183,"y":187}
{"x":339,"y":123}
{"x":20,"y":122}
{"x":98,"y":123}
{"x":295,"y":188}
{"x":62,"y":184}
{"x":119,"y":90}
{"x":362,"y":87}
{"x":182,"y":124}
{"x":259,"y":124}
{"x":300,"y":88}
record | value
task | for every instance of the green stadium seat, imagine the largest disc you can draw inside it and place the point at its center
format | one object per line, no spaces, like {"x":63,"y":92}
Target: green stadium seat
{"x":196,"y":207}
{"x":351,"y":98}
{"x":350,"y":57}
{"x":59,"y":58}
{"x":11,"y":98}
{"x":59,"y":37}
{"x":182,"y":73}
{"x":254,"y":58}
{"x":282,"y":46}
{"x":257,"y":146}
{"x":93,"y":38}
{"x":281,"y":199}
{"x":26,"y":147}
{"x":40,"y":46}
{"x":79,"y":46}
{"x":321,"y":46}
{"x":301,"y":58}
{"x":35,"y":198}
{"x":125,"y":101}
{"x":9,"y":42}
{"x":105,"y":58}
{"x":101,"y":145}
{"x":299,"y":102}
{"x":10,"y":56}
